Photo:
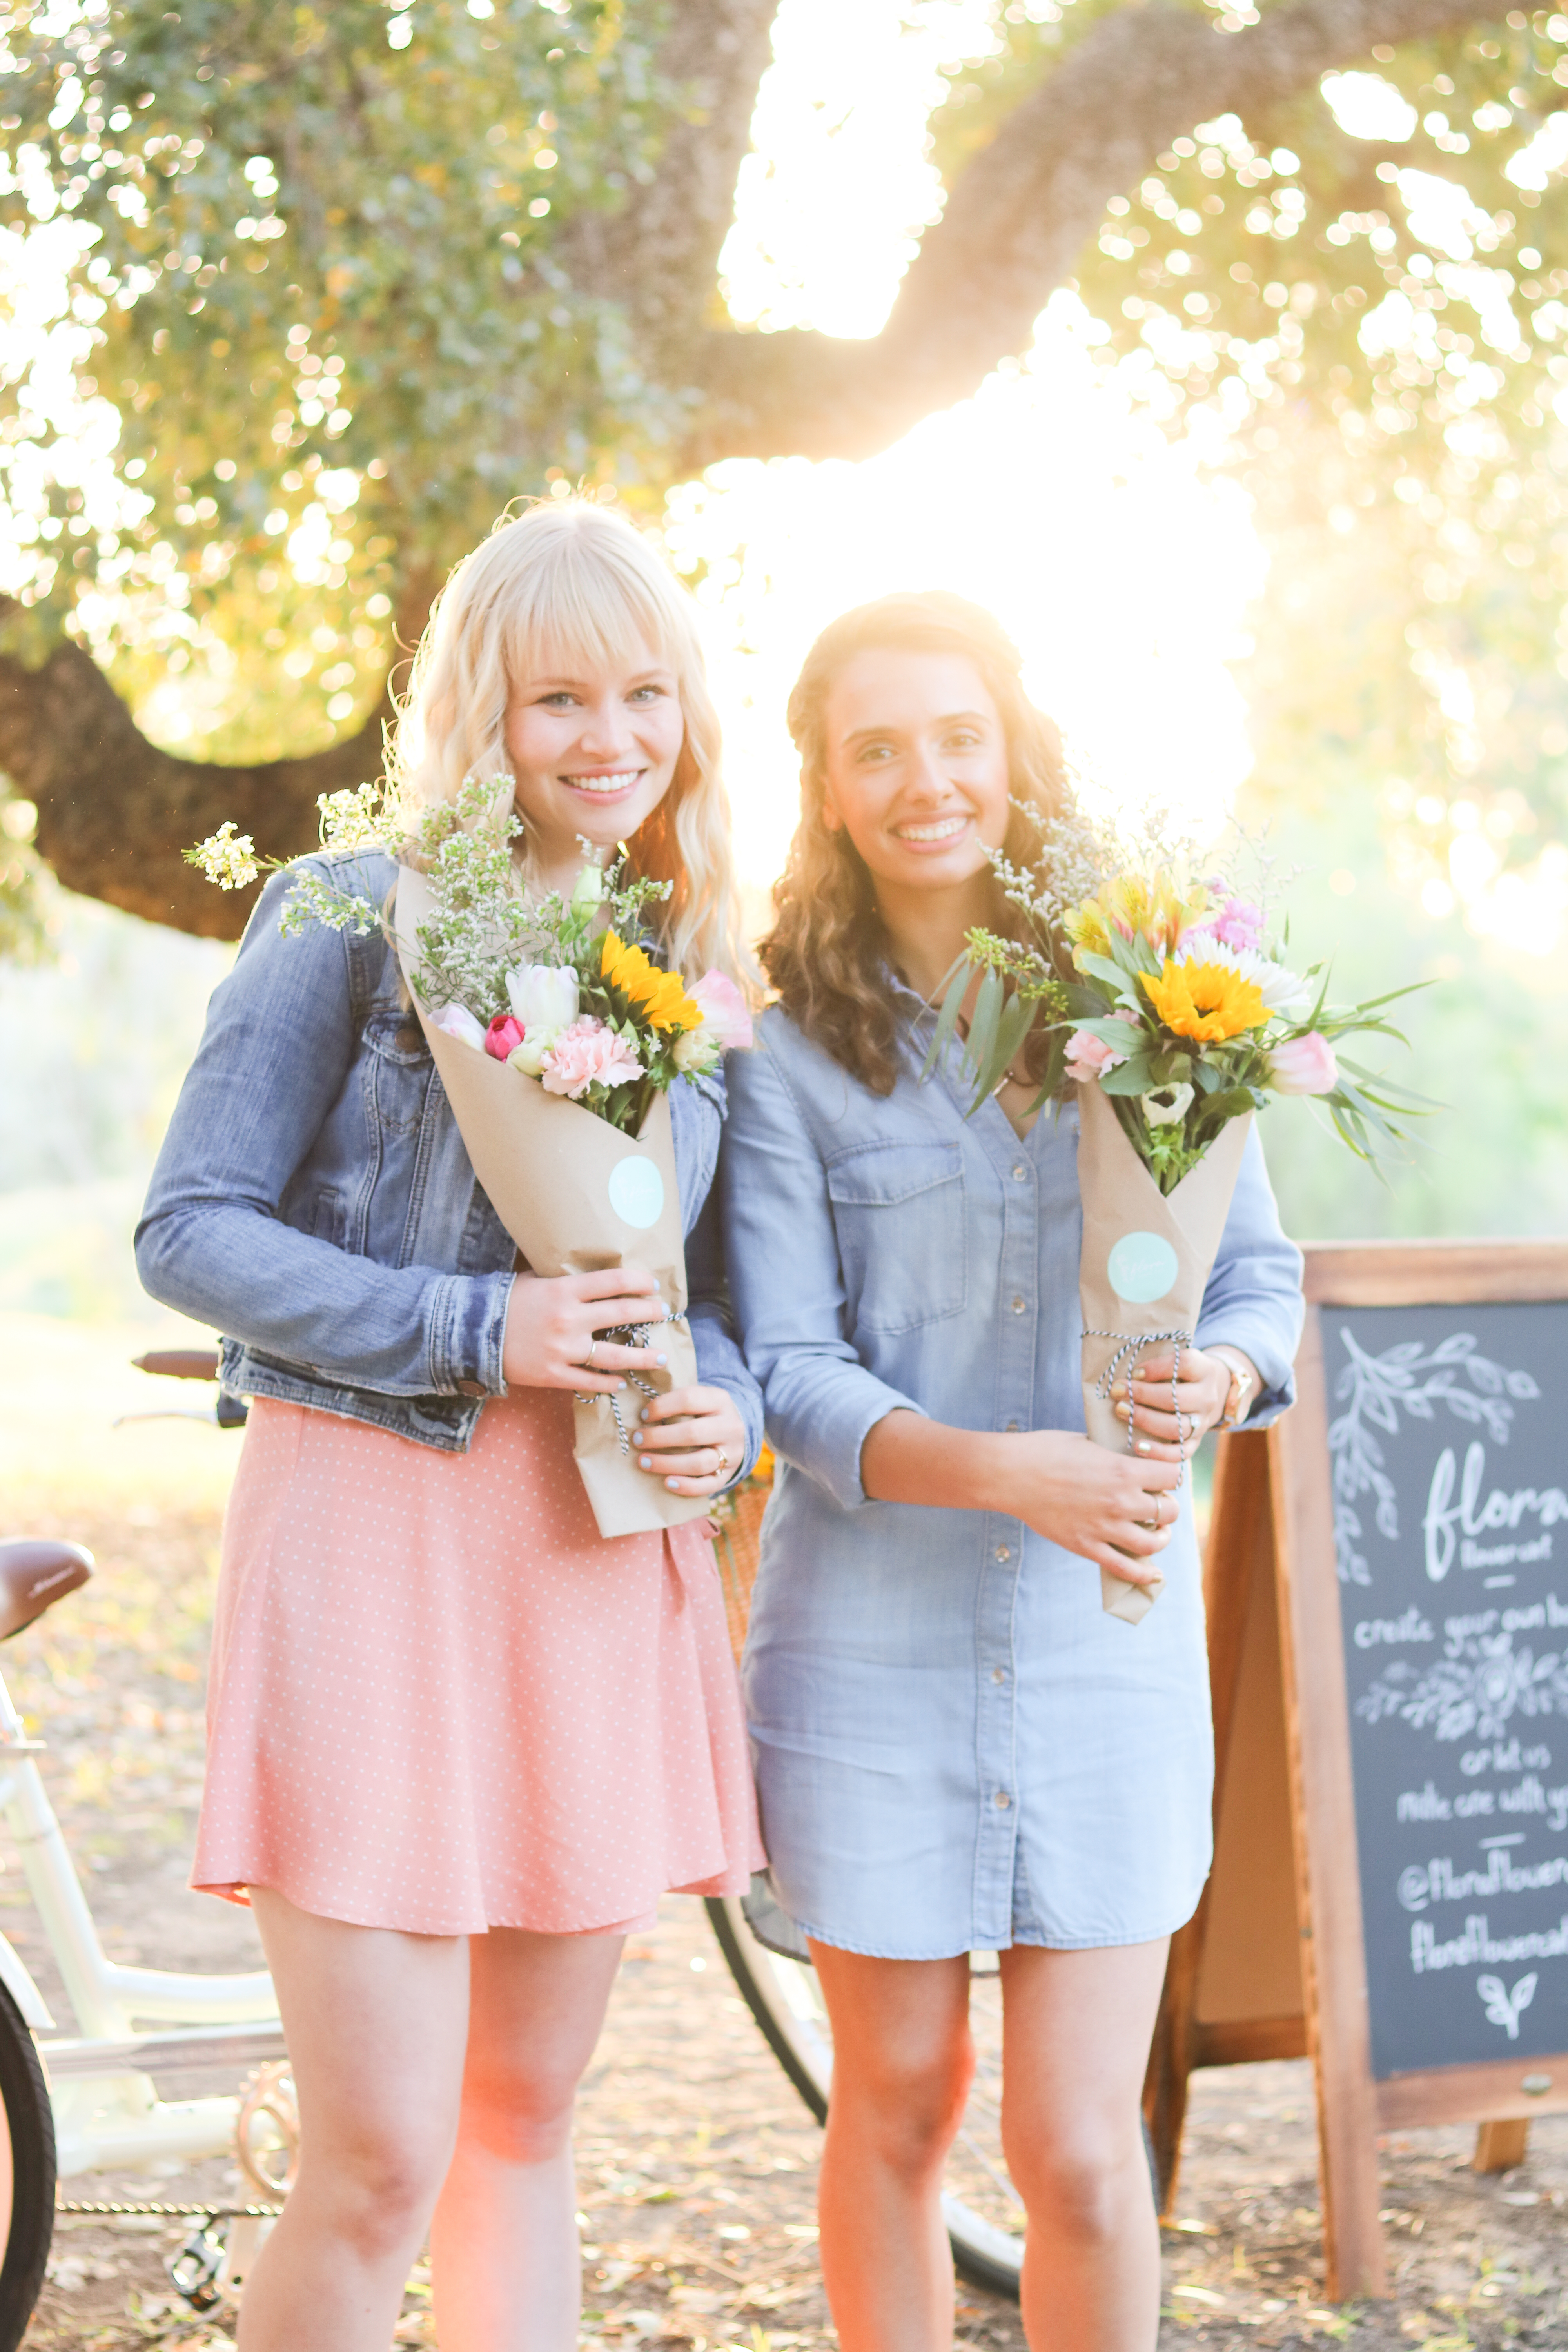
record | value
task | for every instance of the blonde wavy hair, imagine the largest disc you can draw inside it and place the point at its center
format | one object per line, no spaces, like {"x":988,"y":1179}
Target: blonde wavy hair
{"x":827,"y":953}
{"x":566,"y":584}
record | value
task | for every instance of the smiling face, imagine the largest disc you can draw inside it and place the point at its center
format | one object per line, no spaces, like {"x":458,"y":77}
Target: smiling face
{"x":917,"y":768}
{"x":593,"y":750}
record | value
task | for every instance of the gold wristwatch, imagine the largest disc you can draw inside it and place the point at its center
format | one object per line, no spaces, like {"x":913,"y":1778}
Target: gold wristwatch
{"x":1239,"y":1395}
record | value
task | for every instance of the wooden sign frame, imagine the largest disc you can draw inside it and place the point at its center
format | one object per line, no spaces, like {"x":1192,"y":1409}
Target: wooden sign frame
{"x":1272,"y":1965}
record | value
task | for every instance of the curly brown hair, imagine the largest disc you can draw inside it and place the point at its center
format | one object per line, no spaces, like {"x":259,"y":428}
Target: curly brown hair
{"x":827,"y":952}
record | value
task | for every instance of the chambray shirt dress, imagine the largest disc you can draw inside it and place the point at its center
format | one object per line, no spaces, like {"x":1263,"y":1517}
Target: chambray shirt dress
{"x":956,"y":1748}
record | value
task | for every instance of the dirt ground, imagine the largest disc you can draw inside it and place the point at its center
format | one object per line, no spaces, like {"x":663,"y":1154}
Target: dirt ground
{"x":696,"y":2161}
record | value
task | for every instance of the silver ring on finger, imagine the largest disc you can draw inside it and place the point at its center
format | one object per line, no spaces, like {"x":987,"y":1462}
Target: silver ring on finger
{"x":723,"y":1462}
{"x":588,"y":1359}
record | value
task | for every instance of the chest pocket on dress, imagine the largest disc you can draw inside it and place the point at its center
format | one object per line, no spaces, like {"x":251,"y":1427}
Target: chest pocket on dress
{"x":899,"y":1214}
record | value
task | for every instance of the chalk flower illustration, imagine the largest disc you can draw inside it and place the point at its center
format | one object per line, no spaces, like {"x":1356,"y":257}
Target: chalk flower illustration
{"x":1475,"y":1690}
{"x":1415,"y":1381}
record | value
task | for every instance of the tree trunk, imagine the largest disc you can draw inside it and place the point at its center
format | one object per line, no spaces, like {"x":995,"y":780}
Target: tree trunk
{"x":115,"y":813}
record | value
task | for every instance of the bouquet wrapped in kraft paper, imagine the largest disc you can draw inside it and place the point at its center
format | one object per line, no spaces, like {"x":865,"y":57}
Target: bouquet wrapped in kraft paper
{"x":557,"y":1039}
{"x":1171,"y":1011}
{"x":577,"y":1196}
{"x":1144,"y":1266}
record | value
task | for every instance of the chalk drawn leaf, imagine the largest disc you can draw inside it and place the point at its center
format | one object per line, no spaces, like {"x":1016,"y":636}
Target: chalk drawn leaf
{"x":1503,"y":2008}
{"x":1374,"y":1388}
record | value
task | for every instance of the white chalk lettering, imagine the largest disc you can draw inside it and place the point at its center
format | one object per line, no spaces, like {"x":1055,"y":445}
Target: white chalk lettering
{"x":1448,"y":1519}
{"x":1373,"y":1633}
{"x":1423,"y":1805}
{"x":1439,"y":1881}
{"x":1477,"y":1944}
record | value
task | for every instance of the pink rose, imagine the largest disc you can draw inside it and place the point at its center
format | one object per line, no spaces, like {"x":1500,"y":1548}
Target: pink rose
{"x":725,"y":1013}
{"x":502,"y":1035}
{"x":1305,"y":1066}
{"x":588,"y":1055}
{"x":1089,"y":1057}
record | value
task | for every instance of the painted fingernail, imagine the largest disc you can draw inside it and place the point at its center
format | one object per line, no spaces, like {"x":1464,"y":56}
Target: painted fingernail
{"x":645,"y":1463}
{"x":643,"y":1415}
{"x":661,"y":1359}
{"x":672,"y":1482}
{"x":1123,"y":1411}
{"x":1144,"y":1446}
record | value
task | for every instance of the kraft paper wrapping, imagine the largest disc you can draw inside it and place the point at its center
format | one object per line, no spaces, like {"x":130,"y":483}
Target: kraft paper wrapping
{"x":1123,"y":1204}
{"x":576,"y":1196}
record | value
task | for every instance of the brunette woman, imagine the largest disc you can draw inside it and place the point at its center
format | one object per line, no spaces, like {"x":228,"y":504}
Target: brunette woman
{"x":956,"y":1747}
{"x":458,"y":1744}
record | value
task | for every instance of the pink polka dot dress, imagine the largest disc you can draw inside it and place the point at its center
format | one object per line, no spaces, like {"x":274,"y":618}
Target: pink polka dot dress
{"x":441,"y":1702}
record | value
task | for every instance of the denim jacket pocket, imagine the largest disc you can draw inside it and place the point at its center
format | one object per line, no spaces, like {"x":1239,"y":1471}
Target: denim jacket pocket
{"x":901,"y":1215}
{"x":395,"y":1072}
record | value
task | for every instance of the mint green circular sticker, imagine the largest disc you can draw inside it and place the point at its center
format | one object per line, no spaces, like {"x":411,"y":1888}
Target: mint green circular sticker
{"x":1142,"y":1267}
{"x":637,"y":1191}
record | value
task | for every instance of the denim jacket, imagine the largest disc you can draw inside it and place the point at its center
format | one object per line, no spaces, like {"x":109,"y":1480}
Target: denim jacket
{"x":313,"y":1198}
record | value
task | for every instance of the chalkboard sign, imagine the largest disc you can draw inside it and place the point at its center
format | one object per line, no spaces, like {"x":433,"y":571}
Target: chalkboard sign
{"x":1386,"y":1582}
{"x":1448,"y":1446}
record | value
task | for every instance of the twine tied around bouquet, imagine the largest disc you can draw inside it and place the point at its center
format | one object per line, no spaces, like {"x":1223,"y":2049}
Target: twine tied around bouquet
{"x":1133,"y":1343}
{"x":629,"y":1335}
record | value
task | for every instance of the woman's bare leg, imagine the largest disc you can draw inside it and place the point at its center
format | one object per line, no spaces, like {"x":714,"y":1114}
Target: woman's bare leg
{"x":508,"y":2273}
{"x":902,"y":2058}
{"x":377,"y":2023}
{"x":1076,"y":2033}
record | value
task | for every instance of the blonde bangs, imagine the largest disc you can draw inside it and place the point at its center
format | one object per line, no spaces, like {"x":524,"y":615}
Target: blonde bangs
{"x":565,"y":590}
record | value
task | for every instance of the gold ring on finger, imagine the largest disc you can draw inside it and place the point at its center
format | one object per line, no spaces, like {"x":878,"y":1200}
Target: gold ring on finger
{"x":723,"y":1458}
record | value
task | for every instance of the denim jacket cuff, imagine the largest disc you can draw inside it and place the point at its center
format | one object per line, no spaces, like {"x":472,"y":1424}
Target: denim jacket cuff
{"x":1258,"y":1338}
{"x":467,"y":1332}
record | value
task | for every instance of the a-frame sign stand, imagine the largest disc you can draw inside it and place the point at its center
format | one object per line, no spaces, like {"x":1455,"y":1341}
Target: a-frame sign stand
{"x":1272,"y":1965}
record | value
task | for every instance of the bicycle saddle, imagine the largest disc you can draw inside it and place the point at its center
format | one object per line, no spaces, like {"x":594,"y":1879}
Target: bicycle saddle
{"x":34,"y":1575}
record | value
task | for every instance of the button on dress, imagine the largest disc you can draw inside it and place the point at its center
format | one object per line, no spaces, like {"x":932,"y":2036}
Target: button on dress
{"x":956,"y":1748}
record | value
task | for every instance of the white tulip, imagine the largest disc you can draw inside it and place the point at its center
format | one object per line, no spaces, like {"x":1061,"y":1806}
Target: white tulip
{"x":542,"y":996}
{"x":458,"y":1021}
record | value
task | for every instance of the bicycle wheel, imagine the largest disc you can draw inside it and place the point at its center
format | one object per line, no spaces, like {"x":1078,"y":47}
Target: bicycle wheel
{"x":27,"y":2174}
{"x":984,"y":2211}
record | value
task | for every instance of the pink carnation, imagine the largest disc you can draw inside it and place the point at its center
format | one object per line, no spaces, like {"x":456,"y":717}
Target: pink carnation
{"x":725,"y":1013}
{"x":1089,"y":1057}
{"x":588,"y":1055}
{"x":503,"y":1034}
{"x":1305,"y":1066}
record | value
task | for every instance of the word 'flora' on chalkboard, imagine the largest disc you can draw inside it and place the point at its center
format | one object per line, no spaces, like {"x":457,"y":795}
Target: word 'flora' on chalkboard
{"x":1447,"y":1444}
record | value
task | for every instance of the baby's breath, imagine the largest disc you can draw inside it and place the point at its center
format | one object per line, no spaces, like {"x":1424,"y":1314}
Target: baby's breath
{"x":225,"y":857}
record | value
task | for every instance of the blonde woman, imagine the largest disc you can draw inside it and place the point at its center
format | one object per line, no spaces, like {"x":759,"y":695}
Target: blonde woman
{"x":458,"y":1743}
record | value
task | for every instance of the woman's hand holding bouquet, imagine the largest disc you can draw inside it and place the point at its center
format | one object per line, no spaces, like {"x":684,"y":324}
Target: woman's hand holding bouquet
{"x":1174,"y":1014}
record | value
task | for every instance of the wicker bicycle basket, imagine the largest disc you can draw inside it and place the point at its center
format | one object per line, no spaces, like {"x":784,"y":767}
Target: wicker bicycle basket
{"x":737,"y":1548}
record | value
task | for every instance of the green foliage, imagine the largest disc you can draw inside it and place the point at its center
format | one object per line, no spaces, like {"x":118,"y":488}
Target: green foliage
{"x":318,"y":270}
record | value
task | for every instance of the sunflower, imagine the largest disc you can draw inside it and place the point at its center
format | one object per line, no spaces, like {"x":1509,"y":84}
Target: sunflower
{"x":1206,"y":1002}
{"x":659,"y":996}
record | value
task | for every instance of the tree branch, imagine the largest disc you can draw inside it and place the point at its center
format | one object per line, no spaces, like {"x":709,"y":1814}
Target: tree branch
{"x":658,"y":254}
{"x":115,"y":812}
{"x":1020,"y":215}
